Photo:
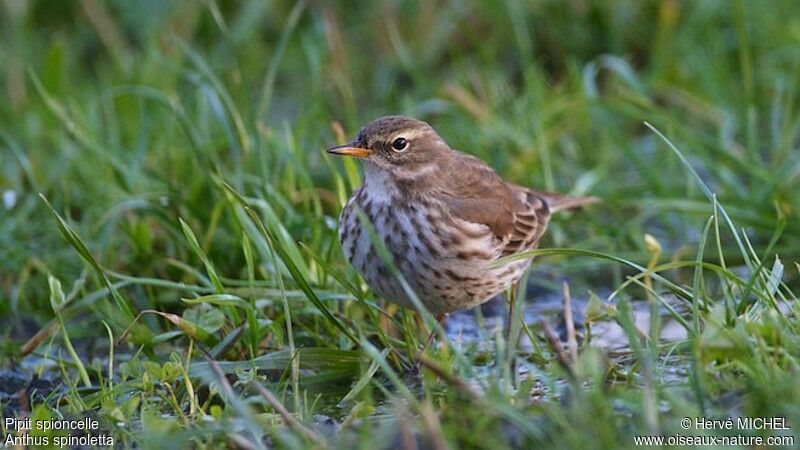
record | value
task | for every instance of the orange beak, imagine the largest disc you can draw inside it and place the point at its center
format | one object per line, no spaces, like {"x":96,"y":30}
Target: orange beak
{"x":350,"y":150}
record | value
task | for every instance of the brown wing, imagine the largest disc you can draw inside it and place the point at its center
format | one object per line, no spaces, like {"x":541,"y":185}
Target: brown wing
{"x":475,"y":193}
{"x":530,"y":223}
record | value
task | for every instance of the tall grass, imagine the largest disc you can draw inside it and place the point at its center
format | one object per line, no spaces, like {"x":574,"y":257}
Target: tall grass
{"x":190,"y":209}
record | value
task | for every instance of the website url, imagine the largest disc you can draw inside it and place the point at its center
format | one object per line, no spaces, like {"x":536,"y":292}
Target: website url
{"x":748,"y":441}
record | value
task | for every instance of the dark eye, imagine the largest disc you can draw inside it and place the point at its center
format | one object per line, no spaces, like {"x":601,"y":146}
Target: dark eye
{"x":400,"y":144}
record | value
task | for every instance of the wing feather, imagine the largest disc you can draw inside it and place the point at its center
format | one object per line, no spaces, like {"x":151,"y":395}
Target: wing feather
{"x":516,"y":216}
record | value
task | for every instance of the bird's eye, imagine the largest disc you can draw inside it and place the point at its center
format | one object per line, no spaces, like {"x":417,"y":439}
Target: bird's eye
{"x":400,"y":144}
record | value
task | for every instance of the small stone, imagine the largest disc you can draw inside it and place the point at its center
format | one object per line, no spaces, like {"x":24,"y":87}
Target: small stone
{"x":326,"y":424}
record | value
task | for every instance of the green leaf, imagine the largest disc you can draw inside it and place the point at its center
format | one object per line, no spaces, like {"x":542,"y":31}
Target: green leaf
{"x":294,"y":270}
{"x":57,"y":298}
{"x":364,"y":380}
{"x":707,"y":191}
{"x":205,"y":316}
{"x":195,"y":245}
{"x":344,"y":362}
{"x":775,"y":276}
{"x":188,"y":327}
{"x":77,"y":243}
{"x":597,"y":309}
{"x":217,"y":299}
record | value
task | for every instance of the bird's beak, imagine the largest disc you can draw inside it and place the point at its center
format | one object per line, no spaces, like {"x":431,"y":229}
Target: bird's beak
{"x":350,"y":150}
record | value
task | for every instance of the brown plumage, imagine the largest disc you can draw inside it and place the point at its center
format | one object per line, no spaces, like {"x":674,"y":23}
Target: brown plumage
{"x":442,"y":214}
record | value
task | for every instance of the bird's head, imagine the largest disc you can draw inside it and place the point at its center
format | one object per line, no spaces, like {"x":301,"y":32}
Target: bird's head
{"x":401,"y":147}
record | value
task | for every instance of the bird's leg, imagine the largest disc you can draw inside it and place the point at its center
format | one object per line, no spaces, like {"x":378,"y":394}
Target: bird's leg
{"x":440,"y":320}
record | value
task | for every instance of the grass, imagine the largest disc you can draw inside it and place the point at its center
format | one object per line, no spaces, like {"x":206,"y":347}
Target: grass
{"x":183,"y":278}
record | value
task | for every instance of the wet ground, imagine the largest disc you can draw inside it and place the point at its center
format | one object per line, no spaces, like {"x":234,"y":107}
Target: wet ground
{"x":475,"y":328}
{"x":19,"y":387}
{"x":465,"y":326}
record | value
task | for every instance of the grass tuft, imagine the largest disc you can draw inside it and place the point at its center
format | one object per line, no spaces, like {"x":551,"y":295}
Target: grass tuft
{"x":167,"y":208}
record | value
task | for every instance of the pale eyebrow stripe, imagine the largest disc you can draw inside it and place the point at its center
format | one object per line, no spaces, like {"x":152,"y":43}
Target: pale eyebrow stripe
{"x":410,"y":134}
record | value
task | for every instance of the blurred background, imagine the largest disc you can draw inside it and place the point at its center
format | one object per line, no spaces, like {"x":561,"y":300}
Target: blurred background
{"x":116,"y":110}
{"x":128,"y":115}
{"x":119,"y":111}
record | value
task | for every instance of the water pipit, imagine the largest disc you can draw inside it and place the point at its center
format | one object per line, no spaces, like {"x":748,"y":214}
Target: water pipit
{"x":443,"y":215}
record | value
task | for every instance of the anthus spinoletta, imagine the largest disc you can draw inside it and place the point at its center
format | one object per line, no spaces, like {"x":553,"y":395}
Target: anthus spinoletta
{"x":443,"y":215}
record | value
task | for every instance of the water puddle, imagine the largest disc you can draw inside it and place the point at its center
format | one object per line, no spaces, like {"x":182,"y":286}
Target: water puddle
{"x":465,"y":326}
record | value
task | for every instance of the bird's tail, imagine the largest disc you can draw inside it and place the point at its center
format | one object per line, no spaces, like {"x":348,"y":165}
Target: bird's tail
{"x":561,"y":202}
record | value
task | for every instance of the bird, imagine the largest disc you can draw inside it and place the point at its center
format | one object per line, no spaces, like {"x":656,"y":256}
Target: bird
{"x":443,"y":215}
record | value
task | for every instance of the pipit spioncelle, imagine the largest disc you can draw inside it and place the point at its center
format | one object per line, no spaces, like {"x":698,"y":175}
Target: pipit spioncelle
{"x":443,"y":215}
